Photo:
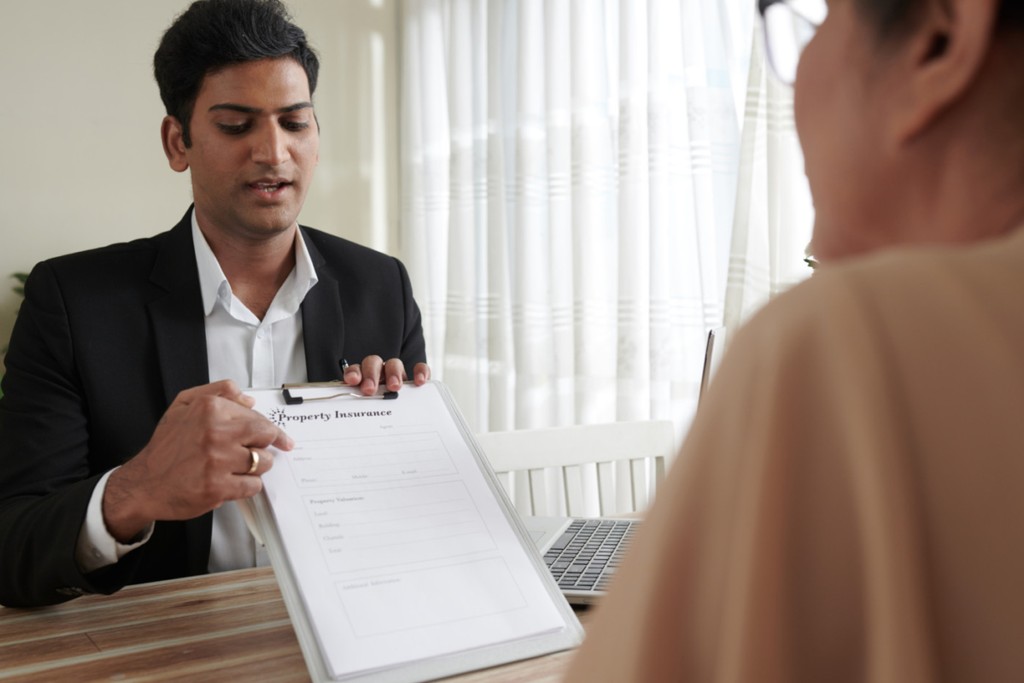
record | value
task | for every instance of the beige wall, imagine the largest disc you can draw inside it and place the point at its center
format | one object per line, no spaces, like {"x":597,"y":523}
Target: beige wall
{"x":82,"y":164}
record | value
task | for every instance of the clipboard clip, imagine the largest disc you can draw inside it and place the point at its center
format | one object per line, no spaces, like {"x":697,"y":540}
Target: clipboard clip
{"x":295,"y":400}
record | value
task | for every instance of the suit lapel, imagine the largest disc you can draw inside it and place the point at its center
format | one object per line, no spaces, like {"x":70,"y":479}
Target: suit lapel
{"x":323,"y":324}
{"x":180,"y":334}
{"x":177,"y":315}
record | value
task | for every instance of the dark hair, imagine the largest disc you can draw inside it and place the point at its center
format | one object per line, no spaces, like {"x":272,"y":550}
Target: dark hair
{"x":212,"y":34}
{"x":893,"y":16}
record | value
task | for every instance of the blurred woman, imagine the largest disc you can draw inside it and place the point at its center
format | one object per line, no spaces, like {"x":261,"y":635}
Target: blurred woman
{"x":847,"y":504}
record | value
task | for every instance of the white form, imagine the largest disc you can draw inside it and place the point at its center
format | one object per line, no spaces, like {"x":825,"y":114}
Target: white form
{"x":399,"y":546}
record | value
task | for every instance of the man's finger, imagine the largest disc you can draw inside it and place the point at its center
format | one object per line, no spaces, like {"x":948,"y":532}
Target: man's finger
{"x":257,"y":461}
{"x":372,"y":368}
{"x":283,"y":441}
{"x":394,"y":374}
{"x":353,"y":374}
{"x":259,"y":432}
{"x":244,"y":487}
{"x":421,"y":374}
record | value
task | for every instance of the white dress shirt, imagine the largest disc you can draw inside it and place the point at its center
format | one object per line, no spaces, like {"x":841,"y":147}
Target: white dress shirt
{"x":240,"y":347}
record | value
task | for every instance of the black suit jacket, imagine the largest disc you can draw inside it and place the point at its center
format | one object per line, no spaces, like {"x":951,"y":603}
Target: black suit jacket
{"x":104,"y":341}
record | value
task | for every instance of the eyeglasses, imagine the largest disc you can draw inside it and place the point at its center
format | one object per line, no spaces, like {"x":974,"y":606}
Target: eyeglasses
{"x":788,"y":26}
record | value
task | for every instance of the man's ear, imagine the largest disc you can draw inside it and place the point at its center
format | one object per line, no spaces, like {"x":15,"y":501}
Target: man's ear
{"x":172,"y":136}
{"x":941,"y":59}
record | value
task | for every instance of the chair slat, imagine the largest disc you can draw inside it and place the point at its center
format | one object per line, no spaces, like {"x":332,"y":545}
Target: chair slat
{"x":584,"y":470}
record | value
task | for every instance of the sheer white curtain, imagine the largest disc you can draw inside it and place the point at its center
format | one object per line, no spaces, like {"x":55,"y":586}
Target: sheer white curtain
{"x":774,"y":214}
{"x":569,"y":188}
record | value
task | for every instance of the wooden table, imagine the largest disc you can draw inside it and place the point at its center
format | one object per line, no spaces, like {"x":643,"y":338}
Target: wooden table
{"x":227,"y":626}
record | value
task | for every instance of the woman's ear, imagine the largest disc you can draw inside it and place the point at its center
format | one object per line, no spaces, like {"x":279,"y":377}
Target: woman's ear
{"x":943,"y":54}
{"x":172,"y":136}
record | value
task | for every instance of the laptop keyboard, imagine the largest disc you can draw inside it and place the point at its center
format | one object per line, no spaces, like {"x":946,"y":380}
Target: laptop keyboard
{"x":588,"y":552}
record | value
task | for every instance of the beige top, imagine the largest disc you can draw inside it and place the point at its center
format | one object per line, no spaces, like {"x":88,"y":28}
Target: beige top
{"x":849,"y":503}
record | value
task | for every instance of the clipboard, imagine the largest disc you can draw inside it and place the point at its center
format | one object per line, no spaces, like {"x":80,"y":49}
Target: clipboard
{"x":519,"y":611}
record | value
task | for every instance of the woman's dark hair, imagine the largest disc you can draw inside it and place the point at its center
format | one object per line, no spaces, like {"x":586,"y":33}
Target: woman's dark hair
{"x":893,"y":16}
{"x":212,"y":34}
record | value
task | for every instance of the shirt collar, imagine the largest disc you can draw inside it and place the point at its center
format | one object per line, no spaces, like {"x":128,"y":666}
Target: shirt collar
{"x":215,"y":286}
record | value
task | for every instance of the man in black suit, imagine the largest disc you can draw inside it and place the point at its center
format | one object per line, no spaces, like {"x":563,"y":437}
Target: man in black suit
{"x":123,"y":429}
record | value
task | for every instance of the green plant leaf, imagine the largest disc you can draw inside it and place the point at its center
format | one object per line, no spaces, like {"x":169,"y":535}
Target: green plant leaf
{"x":19,"y":289}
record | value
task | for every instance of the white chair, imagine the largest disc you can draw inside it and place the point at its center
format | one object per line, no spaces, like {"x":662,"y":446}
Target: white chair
{"x":586,"y":470}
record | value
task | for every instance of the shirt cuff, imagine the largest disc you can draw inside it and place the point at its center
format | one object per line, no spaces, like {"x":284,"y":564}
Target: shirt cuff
{"x":96,"y":547}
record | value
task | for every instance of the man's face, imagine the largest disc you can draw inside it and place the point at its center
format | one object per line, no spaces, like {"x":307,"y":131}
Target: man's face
{"x":255,"y":145}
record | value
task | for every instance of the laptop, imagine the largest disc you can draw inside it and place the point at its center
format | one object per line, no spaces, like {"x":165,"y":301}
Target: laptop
{"x":582,"y":553}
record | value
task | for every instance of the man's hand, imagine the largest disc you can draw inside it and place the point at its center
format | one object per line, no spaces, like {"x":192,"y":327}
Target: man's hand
{"x":373,"y":371}
{"x":199,"y":456}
